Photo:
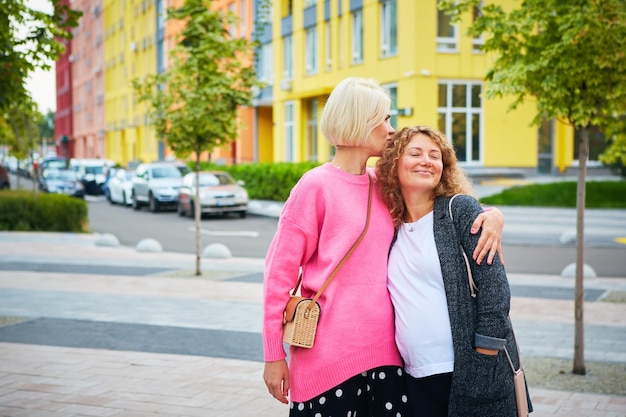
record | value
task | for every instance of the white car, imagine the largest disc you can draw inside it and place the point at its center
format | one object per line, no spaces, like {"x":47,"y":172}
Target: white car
{"x":156,"y":185}
{"x":120,"y":187}
{"x":219,"y":194}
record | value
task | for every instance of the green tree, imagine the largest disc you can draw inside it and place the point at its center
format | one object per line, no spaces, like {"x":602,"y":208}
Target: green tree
{"x":30,"y":39}
{"x":615,"y":153}
{"x":21,"y":129}
{"x":570,"y":57}
{"x":194,"y":104}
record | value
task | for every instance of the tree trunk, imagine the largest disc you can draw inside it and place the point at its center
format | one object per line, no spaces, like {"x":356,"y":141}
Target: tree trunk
{"x":198,"y":216}
{"x":579,"y":325}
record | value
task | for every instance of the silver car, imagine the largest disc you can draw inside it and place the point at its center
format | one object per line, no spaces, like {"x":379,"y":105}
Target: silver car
{"x":219,"y":194}
{"x":156,"y":185}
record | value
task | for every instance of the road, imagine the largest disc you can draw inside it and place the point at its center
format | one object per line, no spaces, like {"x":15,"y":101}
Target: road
{"x":249,"y":237}
{"x":532,"y":237}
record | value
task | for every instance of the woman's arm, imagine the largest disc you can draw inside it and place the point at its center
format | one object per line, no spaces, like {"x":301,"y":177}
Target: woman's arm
{"x":491,"y":221}
{"x":493,"y":296}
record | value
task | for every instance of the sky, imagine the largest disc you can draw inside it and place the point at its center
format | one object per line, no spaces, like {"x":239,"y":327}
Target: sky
{"x":42,"y":84}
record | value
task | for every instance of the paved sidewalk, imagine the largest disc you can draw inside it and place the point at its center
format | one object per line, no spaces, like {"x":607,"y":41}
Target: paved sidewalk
{"x":142,"y":338}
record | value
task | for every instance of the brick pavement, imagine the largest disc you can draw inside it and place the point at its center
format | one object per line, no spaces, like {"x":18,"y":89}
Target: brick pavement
{"x":43,"y":380}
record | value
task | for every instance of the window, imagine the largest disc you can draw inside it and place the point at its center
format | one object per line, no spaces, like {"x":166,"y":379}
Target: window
{"x":311,"y":51}
{"x":446,"y":33}
{"x":311,"y":131}
{"x":242,"y":18}
{"x":393,"y":94}
{"x":328,"y":49}
{"x":309,"y":3}
{"x":289,"y":132}
{"x":265,"y":68}
{"x":460,"y":118}
{"x":388,"y":28}
{"x":357,"y":37}
{"x":596,"y":145}
{"x":231,"y":27}
{"x":288,"y":57}
{"x":340,"y":45}
{"x":478,"y":41}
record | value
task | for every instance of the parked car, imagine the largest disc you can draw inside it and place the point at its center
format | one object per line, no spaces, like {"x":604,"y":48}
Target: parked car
{"x":120,"y":187}
{"x":61,"y":181}
{"x":53,"y":162}
{"x":91,"y":173}
{"x":219,"y":194}
{"x":156,"y":185}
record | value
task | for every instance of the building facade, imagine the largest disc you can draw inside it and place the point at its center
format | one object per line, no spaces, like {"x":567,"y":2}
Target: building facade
{"x":435,"y":75}
{"x":63,"y":128}
{"x":88,"y":82}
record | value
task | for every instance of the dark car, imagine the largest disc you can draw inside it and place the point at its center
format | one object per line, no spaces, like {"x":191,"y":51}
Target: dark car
{"x":4,"y":178}
{"x":61,"y":181}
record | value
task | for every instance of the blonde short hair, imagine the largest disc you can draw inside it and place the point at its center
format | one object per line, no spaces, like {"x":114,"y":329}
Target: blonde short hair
{"x":354,"y":108}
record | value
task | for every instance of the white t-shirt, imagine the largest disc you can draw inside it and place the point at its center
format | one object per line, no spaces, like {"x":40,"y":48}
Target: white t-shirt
{"x":416,"y":286}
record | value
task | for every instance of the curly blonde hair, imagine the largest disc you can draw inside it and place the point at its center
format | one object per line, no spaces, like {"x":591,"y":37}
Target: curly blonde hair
{"x":453,"y":178}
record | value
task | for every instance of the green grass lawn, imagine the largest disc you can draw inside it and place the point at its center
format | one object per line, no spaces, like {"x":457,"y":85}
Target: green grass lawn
{"x":599,"y":194}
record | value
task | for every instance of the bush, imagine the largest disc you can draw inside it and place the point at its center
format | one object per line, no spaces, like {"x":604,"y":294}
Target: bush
{"x":598,"y":194}
{"x":266,"y":181}
{"x":21,"y":210}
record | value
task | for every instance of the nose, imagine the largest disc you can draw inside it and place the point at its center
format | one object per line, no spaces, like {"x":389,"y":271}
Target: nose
{"x":391,"y":129}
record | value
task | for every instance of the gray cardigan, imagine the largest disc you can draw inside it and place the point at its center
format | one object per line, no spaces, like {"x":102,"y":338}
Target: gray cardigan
{"x":482,"y":385}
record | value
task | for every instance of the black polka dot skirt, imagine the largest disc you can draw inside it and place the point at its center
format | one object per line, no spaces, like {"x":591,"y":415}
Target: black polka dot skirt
{"x":378,"y":392}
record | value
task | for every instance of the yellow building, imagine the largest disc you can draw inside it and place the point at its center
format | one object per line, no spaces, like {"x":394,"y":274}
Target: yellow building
{"x":129,"y":28}
{"x":433,"y":71}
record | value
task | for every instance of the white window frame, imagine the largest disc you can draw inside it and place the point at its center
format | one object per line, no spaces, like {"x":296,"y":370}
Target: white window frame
{"x":392,"y":89}
{"x":266,"y":63}
{"x":289,"y":131}
{"x":449,"y":110}
{"x":340,"y":43}
{"x":288,"y":58}
{"x":477,"y":42}
{"x":311,"y":51}
{"x":243,"y":24}
{"x":357,"y":37}
{"x":328,"y":49}
{"x":232,"y":29}
{"x":311,"y":130}
{"x":388,"y":28}
{"x":448,"y":44}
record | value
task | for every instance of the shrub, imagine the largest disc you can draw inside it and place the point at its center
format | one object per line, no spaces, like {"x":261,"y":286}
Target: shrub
{"x":21,"y":210}
{"x":266,"y":181}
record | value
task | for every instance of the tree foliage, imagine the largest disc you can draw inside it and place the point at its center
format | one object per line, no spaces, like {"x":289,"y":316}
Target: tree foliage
{"x":30,"y":39}
{"x":194,"y":104}
{"x":569,"y":55}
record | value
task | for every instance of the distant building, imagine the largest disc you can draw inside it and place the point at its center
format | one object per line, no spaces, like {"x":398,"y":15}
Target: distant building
{"x":63,"y":128}
{"x":88,"y":82}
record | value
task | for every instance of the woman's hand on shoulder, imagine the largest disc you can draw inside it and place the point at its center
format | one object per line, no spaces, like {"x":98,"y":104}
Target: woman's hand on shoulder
{"x":491,"y":221}
{"x":276,"y":377}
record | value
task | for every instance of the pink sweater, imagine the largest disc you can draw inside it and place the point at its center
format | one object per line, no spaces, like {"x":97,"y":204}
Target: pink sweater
{"x":320,"y":221}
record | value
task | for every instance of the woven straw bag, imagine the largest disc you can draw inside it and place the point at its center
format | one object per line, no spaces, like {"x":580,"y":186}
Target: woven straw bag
{"x":302,"y":314}
{"x":300,"y":322}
